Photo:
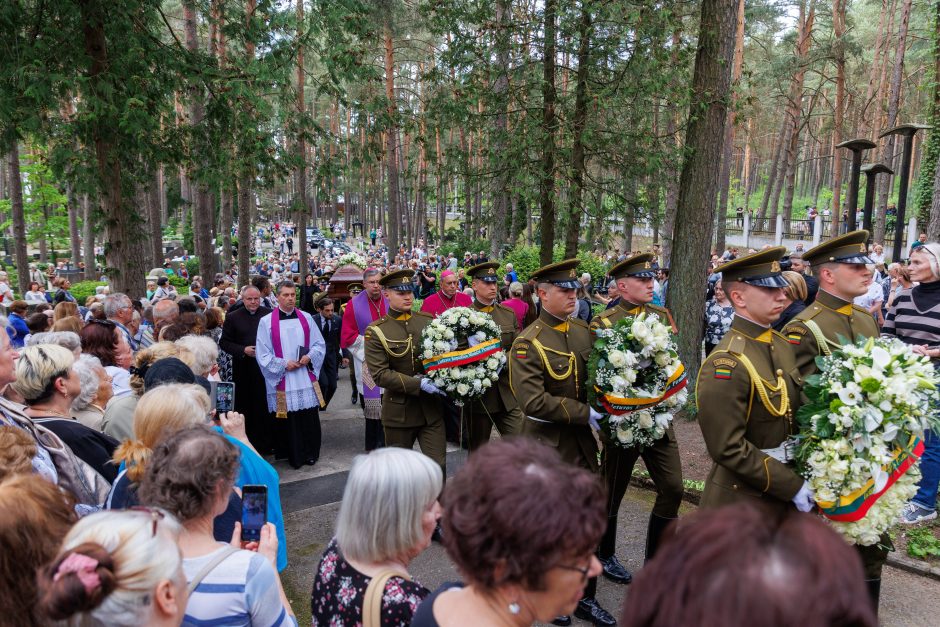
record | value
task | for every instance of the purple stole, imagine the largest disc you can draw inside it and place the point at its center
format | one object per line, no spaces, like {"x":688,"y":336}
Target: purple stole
{"x":362,"y":310}
{"x":281,"y":408}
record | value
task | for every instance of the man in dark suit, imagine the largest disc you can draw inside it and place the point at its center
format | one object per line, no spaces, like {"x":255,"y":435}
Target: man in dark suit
{"x":330,"y":327}
{"x":239,"y":333}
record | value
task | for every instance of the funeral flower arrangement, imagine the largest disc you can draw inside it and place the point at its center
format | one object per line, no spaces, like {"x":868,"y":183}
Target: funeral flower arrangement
{"x":463,"y":373}
{"x":636,"y":379}
{"x":351,"y":259}
{"x":861,"y":431}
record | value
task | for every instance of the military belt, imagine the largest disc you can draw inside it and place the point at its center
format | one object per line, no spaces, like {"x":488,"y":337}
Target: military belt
{"x":784,"y":453}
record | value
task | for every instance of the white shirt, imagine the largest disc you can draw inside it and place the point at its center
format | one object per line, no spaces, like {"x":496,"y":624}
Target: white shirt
{"x":299,"y":389}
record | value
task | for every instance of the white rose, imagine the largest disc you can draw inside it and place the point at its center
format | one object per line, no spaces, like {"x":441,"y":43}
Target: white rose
{"x":617,"y":358}
{"x":624,"y":433}
{"x":663,"y":419}
{"x":644,"y":419}
{"x":448,"y":334}
{"x":661,"y":359}
{"x":462,"y":389}
{"x":477,"y":384}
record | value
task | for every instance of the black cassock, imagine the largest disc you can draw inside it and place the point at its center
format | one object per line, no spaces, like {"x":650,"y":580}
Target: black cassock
{"x":241,"y":330}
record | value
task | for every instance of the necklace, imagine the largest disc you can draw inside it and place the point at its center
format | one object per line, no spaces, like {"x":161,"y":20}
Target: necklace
{"x":376,"y":308}
{"x":46,"y":410}
{"x":453,"y":300}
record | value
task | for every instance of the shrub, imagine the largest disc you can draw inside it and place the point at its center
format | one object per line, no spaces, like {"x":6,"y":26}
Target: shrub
{"x":83,"y":289}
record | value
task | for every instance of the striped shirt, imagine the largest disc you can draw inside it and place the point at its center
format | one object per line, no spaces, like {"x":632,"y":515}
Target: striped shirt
{"x":910,"y":324}
{"x":240,"y":591}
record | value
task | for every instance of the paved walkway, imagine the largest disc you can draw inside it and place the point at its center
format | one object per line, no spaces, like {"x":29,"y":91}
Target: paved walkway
{"x":311,"y":498}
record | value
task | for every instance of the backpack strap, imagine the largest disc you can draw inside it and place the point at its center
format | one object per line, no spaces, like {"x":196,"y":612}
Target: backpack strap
{"x":372,"y":601}
{"x":209,"y":567}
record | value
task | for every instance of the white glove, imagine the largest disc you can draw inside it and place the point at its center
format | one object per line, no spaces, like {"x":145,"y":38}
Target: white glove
{"x":805,"y":500}
{"x":472,"y":340}
{"x":428,"y":386}
{"x":594,"y":419}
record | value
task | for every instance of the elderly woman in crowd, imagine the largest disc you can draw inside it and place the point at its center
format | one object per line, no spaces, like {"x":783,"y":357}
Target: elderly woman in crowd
{"x":718,"y":316}
{"x":914,"y":318}
{"x":34,"y":296}
{"x":205,"y":355}
{"x":773,"y":570}
{"x":515,"y":302}
{"x":104,"y":340}
{"x":120,"y":569}
{"x":388,"y":513}
{"x":119,"y":415}
{"x":796,"y":293}
{"x":522,"y":527}
{"x":96,"y":391}
{"x":48,"y":384}
{"x":34,"y":517}
{"x":18,"y":329}
{"x":65,"y":339}
{"x":192,"y":475}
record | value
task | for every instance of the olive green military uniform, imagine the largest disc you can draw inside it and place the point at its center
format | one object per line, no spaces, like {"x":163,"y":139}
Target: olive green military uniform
{"x":498,"y":407}
{"x":817,"y":331}
{"x":408,"y":413}
{"x":547,"y":374}
{"x":661,"y":459}
{"x":747,"y":393}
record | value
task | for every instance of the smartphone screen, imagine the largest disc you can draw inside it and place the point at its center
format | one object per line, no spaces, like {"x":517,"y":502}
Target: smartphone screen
{"x":223,"y":396}
{"x":254,"y":511}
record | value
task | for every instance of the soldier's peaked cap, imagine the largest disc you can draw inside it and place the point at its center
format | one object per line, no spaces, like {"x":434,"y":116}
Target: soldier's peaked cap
{"x":640,"y":266}
{"x":849,"y":248}
{"x":761,"y":268}
{"x":563,"y":274}
{"x":485,"y":272}
{"x":400,"y":280}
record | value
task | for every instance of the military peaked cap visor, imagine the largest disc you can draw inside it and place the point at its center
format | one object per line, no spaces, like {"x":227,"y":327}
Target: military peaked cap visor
{"x":561,"y":274}
{"x":485,"y":272}
{"x":761,"y":269}
{"x":400,"y":281}
{"x":640,"y":266}
{"x":849,"y":248}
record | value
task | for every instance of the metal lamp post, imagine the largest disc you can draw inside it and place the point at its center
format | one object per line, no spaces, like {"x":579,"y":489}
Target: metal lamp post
{"x":856,"y":146}
{"x":908,"y":131}
{"x":871,"y":170}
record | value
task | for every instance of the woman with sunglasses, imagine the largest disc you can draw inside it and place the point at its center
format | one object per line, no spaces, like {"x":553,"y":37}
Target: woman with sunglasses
{"x":120,"y":569}
{"x":48,"y":384}
{"x":914,"y":318}
{"x":521,"y":526}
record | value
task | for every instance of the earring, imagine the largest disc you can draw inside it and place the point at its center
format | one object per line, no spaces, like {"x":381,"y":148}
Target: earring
{"x":514,"y":608}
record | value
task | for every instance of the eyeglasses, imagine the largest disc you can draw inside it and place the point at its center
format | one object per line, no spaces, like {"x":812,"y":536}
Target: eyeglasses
{"x":156,"y":516}
{"x":584,"y":571}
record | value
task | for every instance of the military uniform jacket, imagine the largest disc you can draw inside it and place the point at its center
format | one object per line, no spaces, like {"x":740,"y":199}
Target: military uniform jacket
{"x":391,"y":345}
{"x":835,"y":318}
{"x":547,"y":373}
{"x":735,"y":419}
{"x":500,"y":397}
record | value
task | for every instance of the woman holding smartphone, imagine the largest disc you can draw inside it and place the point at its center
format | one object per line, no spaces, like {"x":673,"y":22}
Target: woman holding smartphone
{"x":190,"y":475}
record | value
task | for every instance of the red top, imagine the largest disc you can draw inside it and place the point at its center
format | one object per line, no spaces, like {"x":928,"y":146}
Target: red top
{"x":437,"y":303}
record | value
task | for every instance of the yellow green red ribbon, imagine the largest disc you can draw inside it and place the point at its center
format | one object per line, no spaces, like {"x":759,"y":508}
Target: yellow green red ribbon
{"x":463,"y":357}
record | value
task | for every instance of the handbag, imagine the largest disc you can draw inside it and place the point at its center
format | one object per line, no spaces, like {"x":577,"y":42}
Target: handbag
{"x":372,"y":601}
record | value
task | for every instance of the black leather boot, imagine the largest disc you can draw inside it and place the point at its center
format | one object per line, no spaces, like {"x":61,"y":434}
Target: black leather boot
{"x":590,"y":610}
{"x":654,"y":534}
{"x":874,"y":592}
{"x":614,"y":570}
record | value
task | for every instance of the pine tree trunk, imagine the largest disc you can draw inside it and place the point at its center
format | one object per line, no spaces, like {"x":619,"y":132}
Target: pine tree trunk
{"x":391,"y":137}
{"x":245,"y":195}
{"x":500,"y":187}
{"x":724,"y":176}
{"x":672,"y":171}
{"x":576,"y":200}
{"x":18,"y":218}
{"x":924,"y":204}
{"x":549,"y":125}
{"x":88,"y":240}
{"x":74,"y":242}
{"x":698,"y":184}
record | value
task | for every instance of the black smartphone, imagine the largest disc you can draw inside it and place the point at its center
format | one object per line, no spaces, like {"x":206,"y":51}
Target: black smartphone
{"x":254,"y":511}
{"x":222,"y":396}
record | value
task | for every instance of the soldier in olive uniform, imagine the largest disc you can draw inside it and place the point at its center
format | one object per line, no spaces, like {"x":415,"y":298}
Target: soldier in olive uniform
{"x":547,"y":374}
{"x":498,"y":406}
{"x":839,"y":265}
{"x":411,"y":404}
{"x":634,"y":278}
{"x":748,"y":391}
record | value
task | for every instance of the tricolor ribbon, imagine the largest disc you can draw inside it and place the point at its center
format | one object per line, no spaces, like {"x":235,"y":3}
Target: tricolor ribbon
{"x":618,"y":406}
{"x":463,"y":357}
{"x":854,"y":506}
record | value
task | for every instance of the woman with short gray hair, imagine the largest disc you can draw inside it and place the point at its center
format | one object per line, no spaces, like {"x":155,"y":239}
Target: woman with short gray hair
{"x":88,"y":406}
{"x":386,"y":519}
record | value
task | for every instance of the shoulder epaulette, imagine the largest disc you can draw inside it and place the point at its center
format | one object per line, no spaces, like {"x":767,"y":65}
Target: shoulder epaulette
{"x":736,"y":344}
{"x":422,"y":313}
{"x":860,"y":309}
{"x":578,"y":322}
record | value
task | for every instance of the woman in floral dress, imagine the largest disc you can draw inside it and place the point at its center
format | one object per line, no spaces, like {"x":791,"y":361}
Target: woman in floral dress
{"x":718,"y":316}
{"x":388,"y":513}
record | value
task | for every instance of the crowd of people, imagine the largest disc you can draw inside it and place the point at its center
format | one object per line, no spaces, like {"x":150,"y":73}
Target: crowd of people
{"x":121,"y":484}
